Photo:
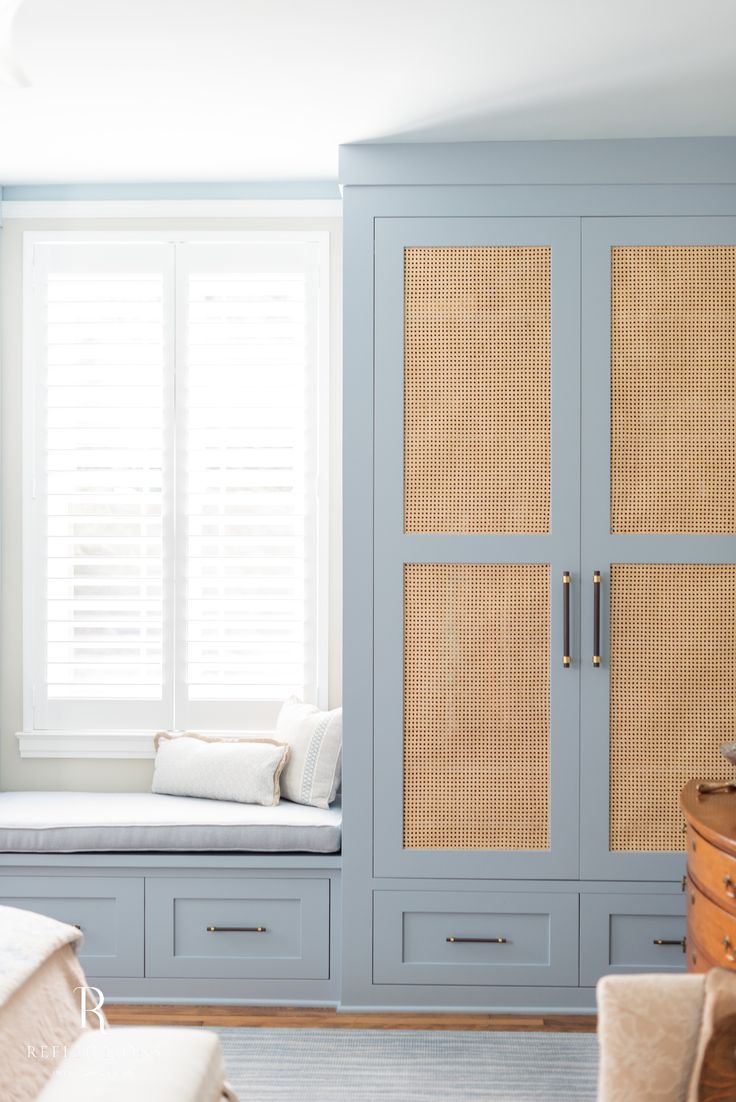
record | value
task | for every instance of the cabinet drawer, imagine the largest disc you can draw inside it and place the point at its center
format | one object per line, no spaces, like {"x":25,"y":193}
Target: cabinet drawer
{"x":712,"y":870}
{"x":108,"y":909}
{"x":712,"y":928}
{"x":241,"y":928}
{"x":619,"y":932}
{"x":475,"y":938}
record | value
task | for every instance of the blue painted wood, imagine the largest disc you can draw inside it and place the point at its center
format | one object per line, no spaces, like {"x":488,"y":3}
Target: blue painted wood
{"x":618,"y":931}
{"x":108,"y":909}
{"x":286,"y":928}
{"x":617,"y":161}
{"x":393,"y":548}
{"x":411,"y":929}
{"x":599,"y":547}
{"x":265,"y":863}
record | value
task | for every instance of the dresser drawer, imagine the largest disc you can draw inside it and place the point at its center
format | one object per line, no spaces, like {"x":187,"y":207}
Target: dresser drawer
{"x":238,"y":928}
{"x":712,"y":870}
{"x":475,"y":938}
{"x":622,"y":932}
{"x":109,"y":911}
{"x":711,"y":928}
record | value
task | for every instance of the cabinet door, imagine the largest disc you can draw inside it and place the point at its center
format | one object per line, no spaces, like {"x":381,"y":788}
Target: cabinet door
{"x":476,"y":521}
{"x":658,"y":523}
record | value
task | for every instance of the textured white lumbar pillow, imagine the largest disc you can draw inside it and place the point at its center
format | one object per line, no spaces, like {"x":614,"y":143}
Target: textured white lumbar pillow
{"x":312,"y":773}
{"x":245,"y":770}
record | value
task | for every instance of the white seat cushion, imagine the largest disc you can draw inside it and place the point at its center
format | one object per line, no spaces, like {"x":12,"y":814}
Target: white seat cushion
{"x":78,"y":822}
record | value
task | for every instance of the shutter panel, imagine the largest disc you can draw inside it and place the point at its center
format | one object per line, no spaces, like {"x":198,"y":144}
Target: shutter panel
{"x":247,"y":408}
{"x":103,"y":393}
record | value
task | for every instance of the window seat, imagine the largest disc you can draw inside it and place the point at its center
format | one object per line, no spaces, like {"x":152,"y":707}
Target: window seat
{"x":115,"y":822}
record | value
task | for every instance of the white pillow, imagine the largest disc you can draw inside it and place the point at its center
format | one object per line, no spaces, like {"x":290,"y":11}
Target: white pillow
{"x":312,"y":773}
{"x":245,"y":770}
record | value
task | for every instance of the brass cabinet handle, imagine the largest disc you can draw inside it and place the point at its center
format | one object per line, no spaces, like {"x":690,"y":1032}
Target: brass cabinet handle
{"x":596,"y":618}
{"x":730,"y":887}
{"x":477,"y":940}
{"x":728,"y":950}
{"x":681,"y":941}
{"x":236,"y":930}
{"x":566,"y":659}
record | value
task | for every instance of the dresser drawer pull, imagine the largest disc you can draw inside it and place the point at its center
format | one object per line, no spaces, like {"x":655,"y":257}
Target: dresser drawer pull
{"x":477,"y":940}
{"x":236,"y":930}
{"x":710,"y":788}
{"x":682,"y":942}
{"x":730,"y":887}
{"x":729,"y":950}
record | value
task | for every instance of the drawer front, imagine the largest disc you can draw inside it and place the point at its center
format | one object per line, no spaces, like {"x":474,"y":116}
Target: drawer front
{"x":108,"y":909}
{"x":238,"y":928}
{"x":475,"y":938}
{"x":622,"y":932}
{"x":712,"y":870}
{"x":712,"y":928}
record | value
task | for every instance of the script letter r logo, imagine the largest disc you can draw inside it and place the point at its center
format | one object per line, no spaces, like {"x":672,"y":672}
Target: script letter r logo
{"x":96,"y":1009}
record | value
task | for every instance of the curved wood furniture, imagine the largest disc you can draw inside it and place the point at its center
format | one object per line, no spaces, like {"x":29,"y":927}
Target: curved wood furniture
{"x":710,"y":812}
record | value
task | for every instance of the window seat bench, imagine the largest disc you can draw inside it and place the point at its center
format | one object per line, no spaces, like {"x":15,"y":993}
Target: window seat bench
{"x":182,"y":899}
{"x":115,"y":822}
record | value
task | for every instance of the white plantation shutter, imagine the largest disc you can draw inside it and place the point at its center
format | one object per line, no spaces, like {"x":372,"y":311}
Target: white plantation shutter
{"x":173,"y":503}
{"x":247,"y":401}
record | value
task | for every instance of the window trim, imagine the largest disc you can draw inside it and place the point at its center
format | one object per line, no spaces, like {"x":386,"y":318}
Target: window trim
{"x":39,"y":742}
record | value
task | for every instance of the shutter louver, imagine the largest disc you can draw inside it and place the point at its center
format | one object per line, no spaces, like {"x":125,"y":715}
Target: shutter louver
{"x":104,"y":486}
{"x":246,"y":416}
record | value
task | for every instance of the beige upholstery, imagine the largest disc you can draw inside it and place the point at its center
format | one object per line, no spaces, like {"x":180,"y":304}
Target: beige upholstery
{"x":117,"y":1065}
{"x":648,"y":1029}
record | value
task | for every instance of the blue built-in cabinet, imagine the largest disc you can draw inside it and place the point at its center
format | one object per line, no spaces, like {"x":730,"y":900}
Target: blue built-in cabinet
{"x":540,"y":564}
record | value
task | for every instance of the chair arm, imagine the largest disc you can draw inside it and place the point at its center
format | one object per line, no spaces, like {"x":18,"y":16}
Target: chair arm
{"x":124,"y":1063}
{"x":648,"y":1029}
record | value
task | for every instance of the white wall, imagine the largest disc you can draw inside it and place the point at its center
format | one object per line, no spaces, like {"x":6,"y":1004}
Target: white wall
{"x":117,"y":775}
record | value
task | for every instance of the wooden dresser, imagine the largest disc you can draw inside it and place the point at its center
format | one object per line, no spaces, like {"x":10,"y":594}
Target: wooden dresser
{"x":710,"y":813}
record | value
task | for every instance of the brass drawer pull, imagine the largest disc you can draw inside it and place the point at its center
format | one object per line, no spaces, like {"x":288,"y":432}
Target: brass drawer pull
{"x":596,"y":618}
{"x":682,"y":942}
{"x":730,"y":887}
{"x":236,"y":930}
{"x":729,"y":951}
{"x":477,"y":940}
{"x":566,"y":657}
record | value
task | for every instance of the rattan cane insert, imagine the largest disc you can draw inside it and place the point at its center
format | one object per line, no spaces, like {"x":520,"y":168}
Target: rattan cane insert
{"x":673,"y":389}
{"x":673,"y":692}
{"x":477,"y":389}
{"x":476,"y":706}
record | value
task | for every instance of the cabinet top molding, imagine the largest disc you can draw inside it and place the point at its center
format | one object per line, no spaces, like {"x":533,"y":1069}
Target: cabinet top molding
{"x":619,"y":161}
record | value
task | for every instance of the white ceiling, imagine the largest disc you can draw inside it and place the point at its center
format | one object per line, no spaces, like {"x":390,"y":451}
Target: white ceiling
{"x":185,"y":90}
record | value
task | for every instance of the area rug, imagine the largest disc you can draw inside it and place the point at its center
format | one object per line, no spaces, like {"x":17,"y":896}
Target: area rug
{"x":361,"y":1065}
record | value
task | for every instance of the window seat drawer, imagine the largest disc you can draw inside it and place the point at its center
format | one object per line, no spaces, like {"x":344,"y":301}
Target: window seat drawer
{"x":109,"y":911}
{"x":475,"y":938}
{"x":238,"y":927}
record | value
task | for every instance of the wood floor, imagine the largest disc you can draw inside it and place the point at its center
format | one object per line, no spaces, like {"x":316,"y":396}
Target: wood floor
{"x":290,"y":1017}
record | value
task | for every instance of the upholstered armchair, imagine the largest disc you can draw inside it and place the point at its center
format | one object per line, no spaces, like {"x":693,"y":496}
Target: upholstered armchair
{"x":667,"y":1038}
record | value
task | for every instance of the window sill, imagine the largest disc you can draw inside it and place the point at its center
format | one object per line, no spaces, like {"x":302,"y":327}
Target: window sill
{"x":98,"y":744}
{"x":85,"y":744}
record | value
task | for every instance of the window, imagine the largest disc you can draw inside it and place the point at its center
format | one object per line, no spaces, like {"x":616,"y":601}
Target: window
{"x":175,"y":516}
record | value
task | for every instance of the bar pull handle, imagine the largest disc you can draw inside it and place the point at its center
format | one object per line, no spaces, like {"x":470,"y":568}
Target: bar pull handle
{"x":681,"y":941}
{"x":596,"y":618}
{"x":236,"y":930}
{"x":729,"y":950}
{"x":566,"y":658}
{"x":477,"y":940}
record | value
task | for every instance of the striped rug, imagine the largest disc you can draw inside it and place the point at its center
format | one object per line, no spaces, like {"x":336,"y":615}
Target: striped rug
{"x":355,"y":1065}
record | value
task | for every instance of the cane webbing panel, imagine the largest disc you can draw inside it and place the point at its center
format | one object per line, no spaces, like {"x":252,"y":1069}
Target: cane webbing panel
{"x":673,"y":389}
{"x":477,"y":389}
{"x":673,"y":692}
{"x":476,"y":706}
